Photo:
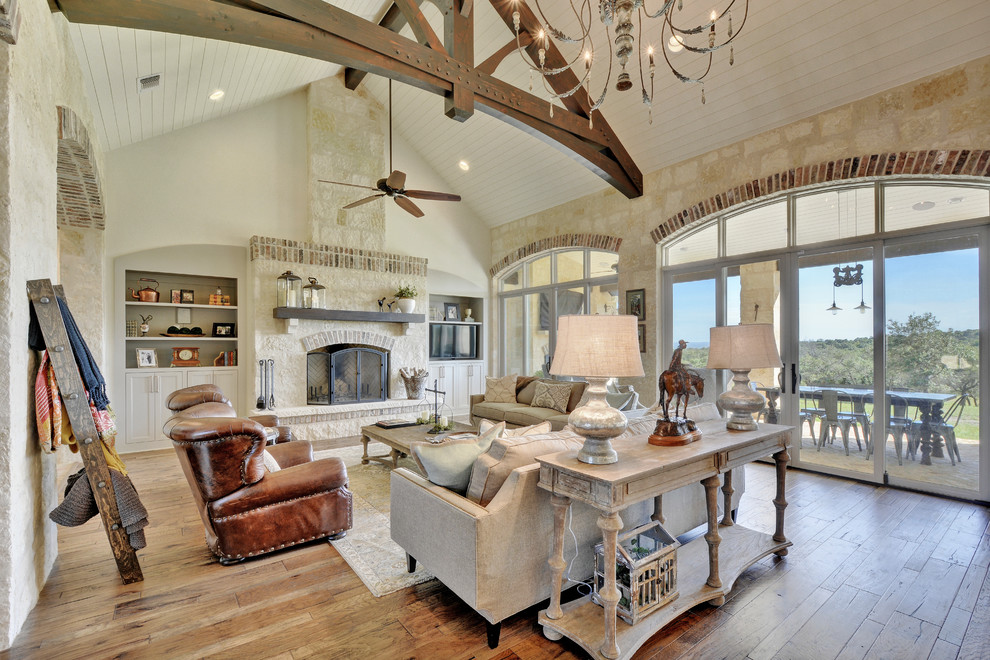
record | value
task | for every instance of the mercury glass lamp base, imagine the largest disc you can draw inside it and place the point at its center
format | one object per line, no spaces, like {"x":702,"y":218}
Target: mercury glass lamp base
{"x":741,"y":402}
{"x":597,"y":422}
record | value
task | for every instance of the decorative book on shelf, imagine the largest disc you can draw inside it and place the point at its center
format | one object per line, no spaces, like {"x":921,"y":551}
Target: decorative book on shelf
{"x":225,"y":359}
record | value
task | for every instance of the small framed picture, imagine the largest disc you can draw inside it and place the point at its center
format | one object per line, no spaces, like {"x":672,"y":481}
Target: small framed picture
{"x":176,"y":297}
{"x":147,"y":357}
{"x":636,"y":303}
{"x":223,"y":330}
{"x":641,"y":334}
{"x":451,"y":312}
{"x":187,"y":297}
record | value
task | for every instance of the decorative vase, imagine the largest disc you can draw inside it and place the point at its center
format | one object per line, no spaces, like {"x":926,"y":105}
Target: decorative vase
{"x":414,"y":386}
{"x":407,"y":305}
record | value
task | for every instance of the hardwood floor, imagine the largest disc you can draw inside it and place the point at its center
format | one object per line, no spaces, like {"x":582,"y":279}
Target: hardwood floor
{"x":874,"y":573}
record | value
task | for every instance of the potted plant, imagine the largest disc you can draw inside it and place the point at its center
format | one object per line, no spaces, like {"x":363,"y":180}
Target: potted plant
{"x":406,"y":296}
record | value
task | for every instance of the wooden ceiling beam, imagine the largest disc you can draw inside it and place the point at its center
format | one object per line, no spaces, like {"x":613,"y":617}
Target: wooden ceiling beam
{"x":458,"y":35}
{"x":564,"y":81}
{"x":315,"y":29}
{"x":491,"y":64}
{"x":394,"y":19}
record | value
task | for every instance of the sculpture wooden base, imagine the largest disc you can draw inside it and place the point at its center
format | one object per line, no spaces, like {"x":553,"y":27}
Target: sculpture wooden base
{"x":674,"y":432}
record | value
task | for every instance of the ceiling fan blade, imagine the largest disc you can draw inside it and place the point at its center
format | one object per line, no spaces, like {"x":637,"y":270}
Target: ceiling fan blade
{"x":429,"y":194}
{"x":364,"y":201}
{"x":408,"y":205}
{"x":352,"y":185}
{"x":396,"y":180}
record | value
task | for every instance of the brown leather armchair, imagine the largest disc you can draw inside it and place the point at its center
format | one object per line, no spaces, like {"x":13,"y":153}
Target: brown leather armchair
{"x":193,"y":395}
{"x":248,"y":511}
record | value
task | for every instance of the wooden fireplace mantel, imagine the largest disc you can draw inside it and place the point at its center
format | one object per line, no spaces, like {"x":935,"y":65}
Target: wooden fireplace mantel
{"x":345,"y":315}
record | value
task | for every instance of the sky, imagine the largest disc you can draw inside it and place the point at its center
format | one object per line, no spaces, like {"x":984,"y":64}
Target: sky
{"x":944,"y":283}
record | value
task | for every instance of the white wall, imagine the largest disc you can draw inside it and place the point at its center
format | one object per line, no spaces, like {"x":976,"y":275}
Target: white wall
{"x":450,"y":235}
{"x":219,"y":182}
{"x":37,"y":74}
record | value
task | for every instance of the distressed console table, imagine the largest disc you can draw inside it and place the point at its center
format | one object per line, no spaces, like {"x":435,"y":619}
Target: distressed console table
{"x":706,"y":568}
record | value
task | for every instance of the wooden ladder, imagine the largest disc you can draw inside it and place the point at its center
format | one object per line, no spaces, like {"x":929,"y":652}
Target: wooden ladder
{"x":44,"y":298}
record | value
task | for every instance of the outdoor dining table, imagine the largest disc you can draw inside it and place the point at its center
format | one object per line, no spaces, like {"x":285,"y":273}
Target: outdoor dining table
{"x":929,"y":405}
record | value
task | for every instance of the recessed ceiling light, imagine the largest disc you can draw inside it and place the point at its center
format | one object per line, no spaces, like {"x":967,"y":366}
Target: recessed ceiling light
{"x":463,"y":164}
{"x":216,"y":95}
{"x":956,"y":200}
{"x":923,"y":206}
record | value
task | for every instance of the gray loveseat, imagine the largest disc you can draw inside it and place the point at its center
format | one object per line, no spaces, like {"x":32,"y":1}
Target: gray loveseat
{"x":520,"y":412}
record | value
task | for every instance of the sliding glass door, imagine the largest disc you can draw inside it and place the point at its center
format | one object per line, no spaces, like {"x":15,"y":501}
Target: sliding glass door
{"x":933,"y":350}
{"x":832,"y":405}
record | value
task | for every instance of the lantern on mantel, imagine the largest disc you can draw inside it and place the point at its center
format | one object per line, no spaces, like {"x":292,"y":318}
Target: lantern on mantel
{"x":314,"y":295}
{"x":288,"y":290}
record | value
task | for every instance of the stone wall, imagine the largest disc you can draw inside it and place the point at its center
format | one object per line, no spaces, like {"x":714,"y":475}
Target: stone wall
{"x":944,"y":112}
{"x":355,"y":280}
{"x":346,"y":137}
{"x":37,"y":74}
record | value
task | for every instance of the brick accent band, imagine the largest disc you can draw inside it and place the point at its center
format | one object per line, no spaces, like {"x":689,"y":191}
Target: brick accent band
{"x":331,"y":337}
{"x":959,"y":162}
{"x":594,"y":241}
{"x":79,"y":200}
{"x":316,"y":254}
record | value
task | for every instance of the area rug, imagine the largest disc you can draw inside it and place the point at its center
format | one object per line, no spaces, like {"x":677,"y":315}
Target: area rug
{"x":368,"y":549}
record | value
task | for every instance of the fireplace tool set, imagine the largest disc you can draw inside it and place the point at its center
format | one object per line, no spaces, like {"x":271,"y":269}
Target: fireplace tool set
{"x":266,"y":383}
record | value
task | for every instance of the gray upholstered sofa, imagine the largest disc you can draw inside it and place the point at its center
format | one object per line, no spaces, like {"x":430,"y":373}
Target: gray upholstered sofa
{"x":493,"y":555}
{"x":520,"y":412}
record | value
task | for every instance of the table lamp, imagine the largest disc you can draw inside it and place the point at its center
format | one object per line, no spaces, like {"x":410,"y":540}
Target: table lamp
{"x":597,"y":348}
{"x":740,"y":348}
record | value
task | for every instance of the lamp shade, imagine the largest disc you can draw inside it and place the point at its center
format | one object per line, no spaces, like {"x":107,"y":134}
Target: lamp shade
{"x":597,"y":346}
{"x":743,"y":347}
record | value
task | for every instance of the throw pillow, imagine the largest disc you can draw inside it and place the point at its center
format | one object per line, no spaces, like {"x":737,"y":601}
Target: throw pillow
{"x":500,"y":390}
{"x":270,"y":463}
{"x":449,"y":464}
{"x":552,"y":395}
{"x":542,"y":427}
{"x":506,"y":454}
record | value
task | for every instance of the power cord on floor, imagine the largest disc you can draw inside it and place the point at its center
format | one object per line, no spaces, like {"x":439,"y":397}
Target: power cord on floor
{"x":583,"y":588}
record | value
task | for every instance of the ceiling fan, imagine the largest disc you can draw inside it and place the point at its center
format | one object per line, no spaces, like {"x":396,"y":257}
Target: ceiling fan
{"x":394,"y":185}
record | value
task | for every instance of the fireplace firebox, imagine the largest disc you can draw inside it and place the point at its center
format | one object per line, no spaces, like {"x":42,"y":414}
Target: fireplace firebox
{"x":346,"y":374}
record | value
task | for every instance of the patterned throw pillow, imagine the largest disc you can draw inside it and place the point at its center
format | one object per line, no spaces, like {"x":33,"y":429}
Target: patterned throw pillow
{"x":552,"y":395}
{"x":500,"y":390}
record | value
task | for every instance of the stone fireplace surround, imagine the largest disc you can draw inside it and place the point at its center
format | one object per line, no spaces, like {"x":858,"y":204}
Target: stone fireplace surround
{"x":355,"y":280}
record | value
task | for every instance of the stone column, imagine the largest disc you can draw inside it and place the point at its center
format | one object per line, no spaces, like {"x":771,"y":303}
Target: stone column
{"x":758,"y":296}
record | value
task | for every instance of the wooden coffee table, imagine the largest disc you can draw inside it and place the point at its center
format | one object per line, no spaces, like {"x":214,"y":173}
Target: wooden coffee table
{"x":399,"y":440}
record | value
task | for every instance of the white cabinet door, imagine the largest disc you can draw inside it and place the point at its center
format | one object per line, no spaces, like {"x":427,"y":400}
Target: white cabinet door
{"x":475,"y":379}
{"x":141,"y":413}
{"x":169,"y":380}
{"x":199,"y":376}
{"x":145,"y":411}
{"x":444,"y":376}
{"x":459,"y":380}
{"x":226,"y":380}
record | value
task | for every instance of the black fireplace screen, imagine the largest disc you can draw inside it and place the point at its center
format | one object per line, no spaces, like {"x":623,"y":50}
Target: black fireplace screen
{"x":346,"y":375}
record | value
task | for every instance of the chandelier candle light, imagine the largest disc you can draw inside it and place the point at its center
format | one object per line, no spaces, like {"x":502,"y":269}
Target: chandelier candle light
{"x":597,"y":348}
{"x":535,"y":31}
{"x":741,"y":348}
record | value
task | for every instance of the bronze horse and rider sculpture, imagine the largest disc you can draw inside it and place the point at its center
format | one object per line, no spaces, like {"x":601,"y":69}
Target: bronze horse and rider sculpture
{"x":676,"y":384}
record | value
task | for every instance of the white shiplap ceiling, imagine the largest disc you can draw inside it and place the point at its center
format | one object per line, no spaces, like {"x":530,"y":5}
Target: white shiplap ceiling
{"x":794,"y":60}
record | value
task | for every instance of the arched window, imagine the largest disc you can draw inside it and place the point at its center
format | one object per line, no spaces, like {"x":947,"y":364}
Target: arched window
{"x":534,"y":293}
{"x":879,"y":292}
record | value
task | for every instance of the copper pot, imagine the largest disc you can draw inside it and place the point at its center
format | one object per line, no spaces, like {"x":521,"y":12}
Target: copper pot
{"x":147,"y":294}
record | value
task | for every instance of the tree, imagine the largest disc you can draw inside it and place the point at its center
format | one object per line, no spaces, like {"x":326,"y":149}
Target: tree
{"x":914,"y":352}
